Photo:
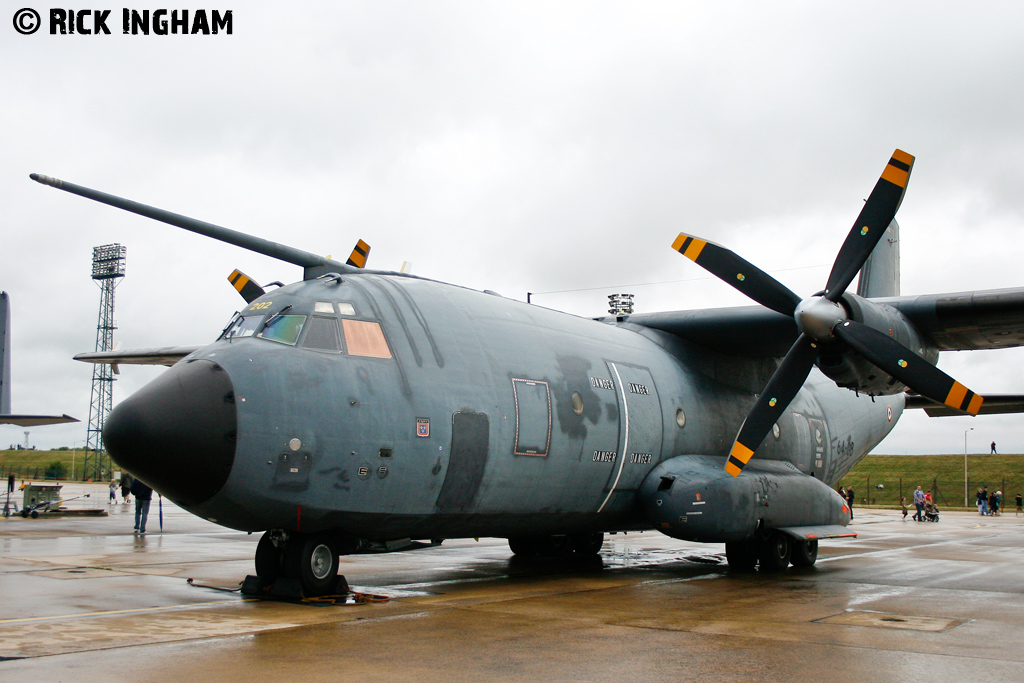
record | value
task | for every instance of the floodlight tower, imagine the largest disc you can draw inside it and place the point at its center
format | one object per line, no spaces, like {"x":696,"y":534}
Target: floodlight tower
{"x":107,"y":270}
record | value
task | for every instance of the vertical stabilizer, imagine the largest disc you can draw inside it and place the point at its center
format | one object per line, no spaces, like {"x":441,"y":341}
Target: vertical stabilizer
{"x":5,"y":354}
{"x":880,"y":275}
{"x":6,"y":418}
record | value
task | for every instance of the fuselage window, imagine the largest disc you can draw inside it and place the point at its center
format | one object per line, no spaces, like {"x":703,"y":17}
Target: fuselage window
{"x":365,"y":338}
{"x":243,"y":327}
{"x":322,"y":335}
{"x":283,"y":328}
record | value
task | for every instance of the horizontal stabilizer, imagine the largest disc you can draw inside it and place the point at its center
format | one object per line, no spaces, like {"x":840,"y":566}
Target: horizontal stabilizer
{"x":807,"y":533}
{"x":166,"y":355}
{"x":35,"y":420}
{"x":995,"y":404}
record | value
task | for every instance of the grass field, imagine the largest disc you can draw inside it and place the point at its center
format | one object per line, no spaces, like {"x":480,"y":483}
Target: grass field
{"x":32,"y":465}
{"x":944,"y":473}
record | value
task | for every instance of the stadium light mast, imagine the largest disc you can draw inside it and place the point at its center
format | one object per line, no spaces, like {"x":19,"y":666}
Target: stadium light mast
{"x":108,"y":263}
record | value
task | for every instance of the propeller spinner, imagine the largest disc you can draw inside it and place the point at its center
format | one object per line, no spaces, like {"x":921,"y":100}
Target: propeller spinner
{"x":821,"y":319}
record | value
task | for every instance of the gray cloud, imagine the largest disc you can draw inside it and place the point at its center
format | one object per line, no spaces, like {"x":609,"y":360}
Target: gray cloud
{"x":511,"y":146}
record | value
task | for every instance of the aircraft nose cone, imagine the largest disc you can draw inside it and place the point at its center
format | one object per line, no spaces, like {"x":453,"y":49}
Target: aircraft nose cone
{"x":177,"y":433}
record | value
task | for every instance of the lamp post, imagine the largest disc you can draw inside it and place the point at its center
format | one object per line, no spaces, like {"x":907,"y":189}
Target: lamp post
{"x":966,"y":505}
{"x":74,"y":453}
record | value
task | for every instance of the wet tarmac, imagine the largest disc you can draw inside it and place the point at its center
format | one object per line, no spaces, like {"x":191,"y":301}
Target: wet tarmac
{"x":85,"y":599}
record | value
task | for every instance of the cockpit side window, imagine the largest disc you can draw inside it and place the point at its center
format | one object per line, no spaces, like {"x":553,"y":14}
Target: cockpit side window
{"x":242,"y":326}
{"x":322,"y":335}
{"x":283,"y":328}
{"x":365,"y":338}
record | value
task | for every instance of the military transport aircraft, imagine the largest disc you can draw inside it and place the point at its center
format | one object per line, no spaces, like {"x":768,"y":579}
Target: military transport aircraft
{"x":6,"y":418}
{"x":361,"y":409}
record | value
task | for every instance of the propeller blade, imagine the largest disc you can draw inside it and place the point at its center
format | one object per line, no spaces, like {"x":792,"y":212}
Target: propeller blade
{"x":733,"y":269}
{"x":359,"y":255}
{"x":874,"y":218}
{"x":246,"y":286}
{"x":774,"y":400}
{"x":908,"y":367}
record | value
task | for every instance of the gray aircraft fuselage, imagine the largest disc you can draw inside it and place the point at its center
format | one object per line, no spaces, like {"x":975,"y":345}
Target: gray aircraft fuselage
{"x":480,"y":416}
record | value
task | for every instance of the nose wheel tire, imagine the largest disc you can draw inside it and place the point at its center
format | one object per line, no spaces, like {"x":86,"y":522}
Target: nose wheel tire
{"x":313,"y":562}
{"x":269,"y":559}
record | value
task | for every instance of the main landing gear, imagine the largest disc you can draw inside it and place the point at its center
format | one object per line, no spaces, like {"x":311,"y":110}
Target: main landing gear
{"x":556,"y":546}
{"x":773,"y":551}
{"x":311,"y":560}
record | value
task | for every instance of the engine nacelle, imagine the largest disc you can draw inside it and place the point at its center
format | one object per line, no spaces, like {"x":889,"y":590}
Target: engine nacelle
{"x":850,"y":370}
{"x":693,"y":498}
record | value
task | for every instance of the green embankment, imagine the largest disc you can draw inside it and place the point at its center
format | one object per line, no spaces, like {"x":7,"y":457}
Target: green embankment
{"x":945,"y":473}
{"x":32,"y":465}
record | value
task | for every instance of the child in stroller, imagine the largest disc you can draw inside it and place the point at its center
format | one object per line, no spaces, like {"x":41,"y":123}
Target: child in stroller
{"x":931,"y":512}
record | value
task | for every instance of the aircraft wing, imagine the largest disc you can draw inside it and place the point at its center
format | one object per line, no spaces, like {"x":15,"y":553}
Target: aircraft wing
{"x":995,"y":404}
{"x":35,"y":420}
{"x":963,"y":321}
{"x":166,"y":355}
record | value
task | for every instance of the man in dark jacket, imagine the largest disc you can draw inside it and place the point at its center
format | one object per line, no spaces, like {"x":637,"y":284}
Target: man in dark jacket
{"x":143,"y":494}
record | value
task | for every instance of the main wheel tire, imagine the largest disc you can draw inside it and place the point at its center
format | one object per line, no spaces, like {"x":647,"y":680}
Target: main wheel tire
{"x":554,"y":546}
{"x":586,"y":544}
{"x":804,"y":553}
{"x":313,"y":561}
{"x":741,"y":555}
{"x":269,"y":559}
{"x":775,"y":552}
{"x":523,"y":546}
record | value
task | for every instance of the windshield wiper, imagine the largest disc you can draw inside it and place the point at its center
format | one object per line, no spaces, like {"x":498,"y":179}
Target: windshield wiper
{"x":277,"y":316}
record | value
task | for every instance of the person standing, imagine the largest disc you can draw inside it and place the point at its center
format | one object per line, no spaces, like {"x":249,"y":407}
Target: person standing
{"x":903,"y":507}
{"x":919,"y":505}
{"x":143,"y":494}
{"x":1020,"y":504}
{"x":113,"y":492}
{"x":993,"y":449}
{"x":10,"y":483}
{"x":982,"y":498}
{"x":126,"y":487}
{"x":849,"y":499}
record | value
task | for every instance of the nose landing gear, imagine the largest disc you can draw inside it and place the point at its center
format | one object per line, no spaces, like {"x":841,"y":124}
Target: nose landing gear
{"x":308,"y":562}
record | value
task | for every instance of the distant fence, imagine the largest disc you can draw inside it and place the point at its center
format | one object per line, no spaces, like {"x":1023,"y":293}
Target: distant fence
{"x":946,"y":493}
{"x":34,"y":473}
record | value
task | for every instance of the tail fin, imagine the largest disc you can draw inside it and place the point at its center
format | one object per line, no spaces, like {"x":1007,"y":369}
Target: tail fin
{"x":880,"y":275}
{"x":5,"y":354}
{"x":5,"y":377}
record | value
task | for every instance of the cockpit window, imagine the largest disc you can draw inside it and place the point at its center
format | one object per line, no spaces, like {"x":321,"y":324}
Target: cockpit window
{"x":323,"y":307}
{"x":322,"y":335}
{"x":283,"y":328}
{"x":242,"y":327}
{"x":365,"y":338}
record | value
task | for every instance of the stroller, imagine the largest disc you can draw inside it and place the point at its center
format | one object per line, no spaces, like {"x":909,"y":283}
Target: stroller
{"x":931,"y":512}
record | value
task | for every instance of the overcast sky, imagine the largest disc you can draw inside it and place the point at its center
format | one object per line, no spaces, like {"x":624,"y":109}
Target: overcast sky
{"x":520,"y":147}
